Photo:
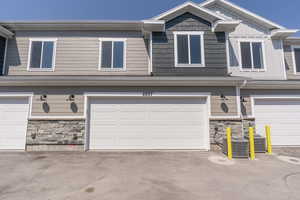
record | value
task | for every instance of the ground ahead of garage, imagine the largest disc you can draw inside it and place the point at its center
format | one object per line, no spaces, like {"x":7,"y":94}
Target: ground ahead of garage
{"x":148,"y":176}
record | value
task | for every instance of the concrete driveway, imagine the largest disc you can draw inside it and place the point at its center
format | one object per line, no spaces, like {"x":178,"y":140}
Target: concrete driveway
{"x":146,"y":176}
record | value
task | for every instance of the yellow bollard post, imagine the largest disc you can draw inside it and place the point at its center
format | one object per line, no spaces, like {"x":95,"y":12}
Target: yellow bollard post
{"x":229,"y":144}
{"x":251,"y":143}
{"x":268,"y":138}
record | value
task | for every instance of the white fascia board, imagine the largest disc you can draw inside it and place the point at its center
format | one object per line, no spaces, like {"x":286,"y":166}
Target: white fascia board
{"x":188,"y":3}
{"x":225,"y":26}
{"x":247,"y":12}
{"x":283,"y":33}
{"x":5,"y":33}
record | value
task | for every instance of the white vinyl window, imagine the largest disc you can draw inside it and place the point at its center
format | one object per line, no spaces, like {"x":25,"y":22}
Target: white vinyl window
{"x":189,"y":49}
{"x":296,"y":58}
{"x":41,"y":55}
{"x":112,"y":54}
{"x":252,"y":55}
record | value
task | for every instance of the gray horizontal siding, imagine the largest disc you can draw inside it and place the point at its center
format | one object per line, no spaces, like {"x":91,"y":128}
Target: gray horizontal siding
{"x":77,"y":53}
{"x":163,"y":60}
{"x":2,"y":53}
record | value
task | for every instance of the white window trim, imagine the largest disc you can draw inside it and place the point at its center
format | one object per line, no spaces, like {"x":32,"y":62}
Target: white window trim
{"x":124,"y":54}
{"x":52,"y":69}
{"x":264,"y":69}
{"x":294,"y":58}
{"x":201,"y":33}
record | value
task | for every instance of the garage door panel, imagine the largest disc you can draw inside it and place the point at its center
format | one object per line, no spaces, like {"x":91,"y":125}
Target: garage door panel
{"x":283,"y":117}
{"x":13,"y":117}
{"x":148,"y":123}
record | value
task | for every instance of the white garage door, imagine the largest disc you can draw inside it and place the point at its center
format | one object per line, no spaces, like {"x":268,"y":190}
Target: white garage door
{"x":283,"y":116}
{"x":13,"y":123}
{"x":148,"y":123}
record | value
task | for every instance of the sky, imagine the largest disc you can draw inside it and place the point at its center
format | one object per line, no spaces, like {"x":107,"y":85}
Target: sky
{"x":286,"y":14}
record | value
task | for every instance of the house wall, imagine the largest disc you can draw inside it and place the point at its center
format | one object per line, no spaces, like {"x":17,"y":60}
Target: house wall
{"x":2,"y":53}
{"x":249,"y":30}
{"x":246,"y":107}
{"x":77,"y":52}
{"x":163,"y":60}
{"x":289,"y":60}
{"x":57,"y":103}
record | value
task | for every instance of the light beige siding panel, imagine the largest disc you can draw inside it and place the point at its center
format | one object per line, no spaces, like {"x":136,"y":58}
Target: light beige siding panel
{"x":77,"y":53}
{"x":59,"y":106}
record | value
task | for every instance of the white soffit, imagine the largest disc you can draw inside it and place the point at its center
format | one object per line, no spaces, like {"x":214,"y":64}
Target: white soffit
{"x":282,"y":34}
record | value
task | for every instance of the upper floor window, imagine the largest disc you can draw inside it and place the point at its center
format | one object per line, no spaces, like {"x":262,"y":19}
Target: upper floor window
{"x":42,"y":54}
{"x":296,"y":50}
{"x":112,"y":54}
{"x":189,"y":49}
{"x":252,"y":56}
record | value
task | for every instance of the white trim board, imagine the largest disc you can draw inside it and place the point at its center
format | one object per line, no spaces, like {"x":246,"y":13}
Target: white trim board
{"x":189,"y":33}
{"x":37,"y":39}
{"x":4,"y":58}
{"x":293,"y":47}
{"x":275,"y":97}
{"x":124,"y":40}
{"x":264,"y":69}
{"x":194,"y":5}
{"x":146,"y":95}
{"x":243,"y":10}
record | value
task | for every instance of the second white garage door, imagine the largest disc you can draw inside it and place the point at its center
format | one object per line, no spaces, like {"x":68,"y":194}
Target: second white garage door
{"x":148,"y":123}
{"x":13,"y":123}
{"x":283,"y":117}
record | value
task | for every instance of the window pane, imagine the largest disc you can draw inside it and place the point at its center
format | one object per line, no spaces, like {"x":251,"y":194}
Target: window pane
{"x":195,"y":49}
{"x":246,"y":55}
{"x":297,"y":59}
{"x":118,"y":54}
{"x":106,"y":54}
{"x":257,"y":55}
{"x":47,"y":54}
{"x":35,"y":57}
{"x":182,"y":49}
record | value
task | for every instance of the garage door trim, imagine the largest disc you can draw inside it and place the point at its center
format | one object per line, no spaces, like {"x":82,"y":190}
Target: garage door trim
{"x":28,"y":95}
{"x":143,"y":94}
{"x":266,"y":97}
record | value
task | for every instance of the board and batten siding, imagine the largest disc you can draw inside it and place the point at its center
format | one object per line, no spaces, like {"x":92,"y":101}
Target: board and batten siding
{"x":163,"y":61}
{"x":59,"y":105}
{"x":77,"y":52}
{"x":2,"y":53}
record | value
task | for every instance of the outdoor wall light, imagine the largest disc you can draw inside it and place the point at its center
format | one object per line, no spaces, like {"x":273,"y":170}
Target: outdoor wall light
{"x":223,"y":97}
{"x":71,"y":97}
{"x":43,"y":97}
{"x":243,"y":99}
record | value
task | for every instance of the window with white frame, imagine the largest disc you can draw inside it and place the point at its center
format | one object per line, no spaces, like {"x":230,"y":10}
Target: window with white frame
{"x":112,"y":54}
{"x":296,"y":50}
{"x":42,"y":54}
{"x":189,"y":49}
{"x":252,"y":55}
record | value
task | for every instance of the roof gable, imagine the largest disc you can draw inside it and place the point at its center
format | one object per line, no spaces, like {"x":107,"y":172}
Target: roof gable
{"x":243,"y":12}
{"x":192,"y":8}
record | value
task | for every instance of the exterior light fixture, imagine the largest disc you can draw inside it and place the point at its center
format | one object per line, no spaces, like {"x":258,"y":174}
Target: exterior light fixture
{"x":71,"y":97}
{"x":43,"y":97}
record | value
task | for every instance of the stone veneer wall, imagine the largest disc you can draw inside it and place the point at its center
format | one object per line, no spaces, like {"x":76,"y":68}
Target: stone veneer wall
{"x":218,"y":128}
{"x":55,"y":134}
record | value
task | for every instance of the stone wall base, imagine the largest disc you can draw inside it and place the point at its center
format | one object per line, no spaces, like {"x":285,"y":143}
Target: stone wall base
{"x":55,"y":132}
{"x":238,"y":127}
{"x":55,"y":148}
